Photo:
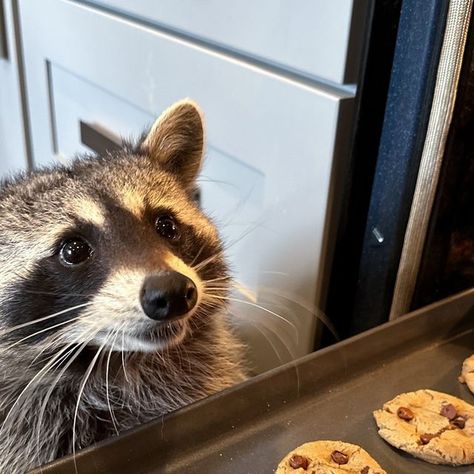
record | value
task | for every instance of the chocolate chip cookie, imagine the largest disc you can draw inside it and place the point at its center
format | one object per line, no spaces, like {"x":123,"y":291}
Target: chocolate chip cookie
{"x":430,"y":425}
{"x":467,"y":373}
{"x":328,"y":457}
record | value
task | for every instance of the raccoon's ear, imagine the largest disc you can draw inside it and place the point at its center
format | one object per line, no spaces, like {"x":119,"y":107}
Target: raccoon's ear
{"x":176,"y":140}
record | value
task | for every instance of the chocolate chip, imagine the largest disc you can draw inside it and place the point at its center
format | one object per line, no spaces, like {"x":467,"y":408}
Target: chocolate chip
{"x":405,"y":414}
{"x":297,"y":461}
{"x":365,"y":470}
{"x":459,"y":421}
{"x":449,"y":411}
{"x":426,"y":438}
{"x":339,"y":458}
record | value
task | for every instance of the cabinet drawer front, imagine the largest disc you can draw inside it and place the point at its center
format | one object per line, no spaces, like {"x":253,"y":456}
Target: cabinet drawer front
{"x":267,"y":179}
{"x":318,"y":38}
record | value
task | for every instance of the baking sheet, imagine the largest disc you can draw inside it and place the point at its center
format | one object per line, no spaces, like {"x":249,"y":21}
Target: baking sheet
{"x":327,"y":395}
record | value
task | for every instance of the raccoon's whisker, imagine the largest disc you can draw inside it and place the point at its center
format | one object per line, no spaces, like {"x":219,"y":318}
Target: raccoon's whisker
{"x":243,"y":235}
{"x":49,"y":343}
{"x":43,"y":318}
{"x":206,"y":179}
{"x":207,"y":309}
{"x":46,"y":329}
{"x":57,"y":339}
{"x":224,"y":278}
{"x":315,"y":312}
{"x":245,"y":291}
{"x":52,"y":293}
{"x":223,"y":284}
{"x":187,"y":358}
{"x":107,"y":367}
{"x":81,"y":391}
{"x":36,"y":378}
{"x":279,"y":337}
{"x":61,"y":373}
{"x":274,"y":272}
{"x":275,"y":350}
{"x":290,"y":352}
{"x":255,"y":324}
{"x":211,"y":303}
{"x":197,"y":255}
{"x":207,"y":261}
{"x":123,"y":356}
{"x":237,"y":300}
{"x":217,"y":290}
{"x":219,"y":284}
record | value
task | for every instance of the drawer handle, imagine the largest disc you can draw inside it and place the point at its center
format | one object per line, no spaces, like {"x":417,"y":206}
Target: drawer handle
{"x":3,"y":33}
{"x":98,"y":138}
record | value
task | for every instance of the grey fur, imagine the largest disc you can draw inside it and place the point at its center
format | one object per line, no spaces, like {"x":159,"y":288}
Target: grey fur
{"x":42,"y":418}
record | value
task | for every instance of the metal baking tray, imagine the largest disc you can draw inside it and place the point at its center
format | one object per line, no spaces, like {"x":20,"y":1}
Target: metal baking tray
{"x":327,"y":395}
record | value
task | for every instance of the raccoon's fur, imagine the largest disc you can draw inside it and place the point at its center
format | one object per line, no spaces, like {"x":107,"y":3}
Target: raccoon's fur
{"x":80,"y":360}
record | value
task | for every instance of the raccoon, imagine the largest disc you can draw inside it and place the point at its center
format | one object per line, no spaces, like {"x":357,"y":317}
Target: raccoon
{"x":113,"y":292}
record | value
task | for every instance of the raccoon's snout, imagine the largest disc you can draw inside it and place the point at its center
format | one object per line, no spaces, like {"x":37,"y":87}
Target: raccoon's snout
{"x":168,"y":296}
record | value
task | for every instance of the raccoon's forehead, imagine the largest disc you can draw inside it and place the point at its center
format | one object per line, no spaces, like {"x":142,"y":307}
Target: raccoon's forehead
{"x":43,"y":207}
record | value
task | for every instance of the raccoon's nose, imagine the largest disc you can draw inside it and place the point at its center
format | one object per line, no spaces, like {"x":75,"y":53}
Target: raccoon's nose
{"x":168,"y":296}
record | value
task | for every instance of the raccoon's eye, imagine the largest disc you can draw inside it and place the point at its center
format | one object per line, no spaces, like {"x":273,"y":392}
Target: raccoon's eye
{"x":167,"y":227}
{"x":74,"y":251}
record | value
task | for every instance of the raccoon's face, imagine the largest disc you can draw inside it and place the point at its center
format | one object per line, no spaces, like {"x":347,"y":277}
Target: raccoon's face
{"x":112,"y":251}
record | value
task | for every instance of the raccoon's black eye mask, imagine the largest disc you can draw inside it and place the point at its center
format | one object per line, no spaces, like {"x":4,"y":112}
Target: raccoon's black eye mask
{"x":75,"y":249}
